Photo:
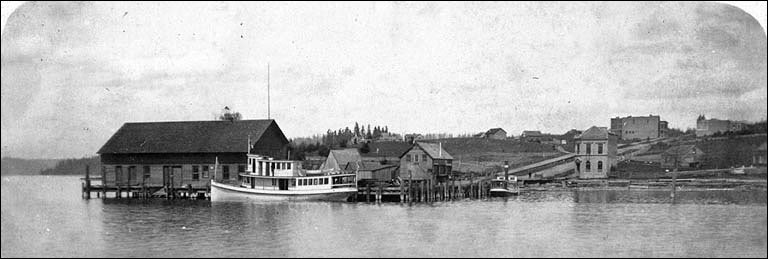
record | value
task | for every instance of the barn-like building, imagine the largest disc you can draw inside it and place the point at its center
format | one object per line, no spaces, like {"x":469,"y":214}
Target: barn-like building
{"x":184,"y":152}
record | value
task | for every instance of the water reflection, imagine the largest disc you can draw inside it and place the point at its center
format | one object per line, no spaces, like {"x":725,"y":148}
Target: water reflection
{"x":570,"y":223}
{"x":663,"y":196}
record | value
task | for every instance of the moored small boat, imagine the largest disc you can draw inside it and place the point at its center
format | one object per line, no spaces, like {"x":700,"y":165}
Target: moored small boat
{"x":502,"y":188}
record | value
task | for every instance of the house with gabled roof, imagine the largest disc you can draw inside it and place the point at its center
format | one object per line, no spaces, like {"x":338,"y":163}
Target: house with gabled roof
{"x":495,"y":133}
{"x":426,"y":161}
{"x":596,"y":150}
{"x":682,"y":156}
{"x":185,"y":152}
{"x":338,"y":159}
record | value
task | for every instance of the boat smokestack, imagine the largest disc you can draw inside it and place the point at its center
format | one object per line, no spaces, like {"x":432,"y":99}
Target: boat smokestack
{"x":440,"y":152}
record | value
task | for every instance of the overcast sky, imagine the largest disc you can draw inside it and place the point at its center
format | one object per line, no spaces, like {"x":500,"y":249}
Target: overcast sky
{"x":73,"y":73}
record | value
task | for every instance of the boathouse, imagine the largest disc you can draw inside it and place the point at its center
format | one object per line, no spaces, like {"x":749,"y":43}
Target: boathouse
{"x":426,"y":161}
{"x":184,"y":152}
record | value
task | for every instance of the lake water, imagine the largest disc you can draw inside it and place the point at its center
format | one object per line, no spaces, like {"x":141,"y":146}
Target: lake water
{"x":44,"y":216}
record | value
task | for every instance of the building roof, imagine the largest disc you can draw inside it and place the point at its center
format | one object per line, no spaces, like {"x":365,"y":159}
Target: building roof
{"x":187,"y":136}
{"x":367,"y":166}
{"x":494,"y":130}
{"x":432,"y":149}
{"x":594,"y":133}
{"x":532,"y":133}
{"x":344,"y":156}
{"x":681,"y":149}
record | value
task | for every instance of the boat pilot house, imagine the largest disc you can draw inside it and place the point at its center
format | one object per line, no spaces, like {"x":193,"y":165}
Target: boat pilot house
{"x":187,"y":152}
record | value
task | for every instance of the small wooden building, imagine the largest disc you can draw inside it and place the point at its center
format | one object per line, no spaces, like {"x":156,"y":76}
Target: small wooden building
{"x":495,"y":133}
{"x":338,"y":159}
{"x":184,"y":152}
{"x":372,"y":171}
{"x":424,"y":161}
{"x":684,"y":156}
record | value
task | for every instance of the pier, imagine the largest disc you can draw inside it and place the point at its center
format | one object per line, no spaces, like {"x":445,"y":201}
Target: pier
{"x":140,"y":191}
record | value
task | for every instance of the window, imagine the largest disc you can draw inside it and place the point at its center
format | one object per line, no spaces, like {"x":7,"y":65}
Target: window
{"x":588,"y":166}
{"x":147,"y":172}
{"x":424,"y":157}
{"x":599,"y":166}
{"x":600,"y":148}
{"x":408,"y":158}
{"x":304,"y":181}
{"x":289,"y":166}
{"x":589,"y":148}
{"x":241,"y":169}
{"x":225,"y":171}
{"x":299,"y":182}
{"x":195,"y":172}
{"x":315,"y":180}
{"x":326,"y":180}
{"x":205,"y":171}
{"x":274,"y":182}
{"x":577,"y":148}
{"x":415,"y":158}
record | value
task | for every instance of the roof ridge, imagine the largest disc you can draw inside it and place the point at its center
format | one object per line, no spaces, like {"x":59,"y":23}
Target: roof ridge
{"x":155,"y":122}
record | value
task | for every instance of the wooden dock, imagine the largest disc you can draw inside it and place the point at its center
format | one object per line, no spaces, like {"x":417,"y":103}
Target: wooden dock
{"x":141,"y":191}
{"x":424,"y":191}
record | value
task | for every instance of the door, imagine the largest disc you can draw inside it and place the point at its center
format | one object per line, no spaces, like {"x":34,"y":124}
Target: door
{"x":166,"y":176}
{"x":177,"y":176}
{"x":283,"y":184}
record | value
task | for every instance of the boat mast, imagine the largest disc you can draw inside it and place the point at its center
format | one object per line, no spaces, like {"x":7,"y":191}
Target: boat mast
{"x":268,"y":108}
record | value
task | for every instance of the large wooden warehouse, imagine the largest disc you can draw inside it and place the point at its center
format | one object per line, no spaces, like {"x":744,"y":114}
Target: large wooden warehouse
{"x":184,"y":152}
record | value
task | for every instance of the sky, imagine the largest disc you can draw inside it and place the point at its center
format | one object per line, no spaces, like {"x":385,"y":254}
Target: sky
{"x":74,"y":72}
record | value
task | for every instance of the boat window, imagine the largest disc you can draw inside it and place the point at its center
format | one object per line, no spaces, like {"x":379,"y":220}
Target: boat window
{"x":315,"y":180}
{"x":326,"y":180}
{"x":289,"y":166}
{"x":274,"y":182}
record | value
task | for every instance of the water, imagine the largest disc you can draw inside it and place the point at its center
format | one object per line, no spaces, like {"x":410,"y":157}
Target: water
{"x":44,"y":216}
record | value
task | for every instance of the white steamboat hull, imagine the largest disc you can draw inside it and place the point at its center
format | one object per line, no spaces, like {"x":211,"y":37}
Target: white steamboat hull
{"x":224,"y":192}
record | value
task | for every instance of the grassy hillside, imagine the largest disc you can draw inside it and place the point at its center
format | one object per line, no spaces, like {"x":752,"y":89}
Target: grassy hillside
{"x":479,"y":155}
{"x":21,"y":166}
{"x":465,"y":146}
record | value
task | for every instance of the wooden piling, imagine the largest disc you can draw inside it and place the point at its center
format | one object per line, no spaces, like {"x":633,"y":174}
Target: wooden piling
{"x":87,"y":182}
{"x":381,"y":193}
{"x":103,"y":183}
{"x":674,"y":186}
{"x":402,"y":194}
